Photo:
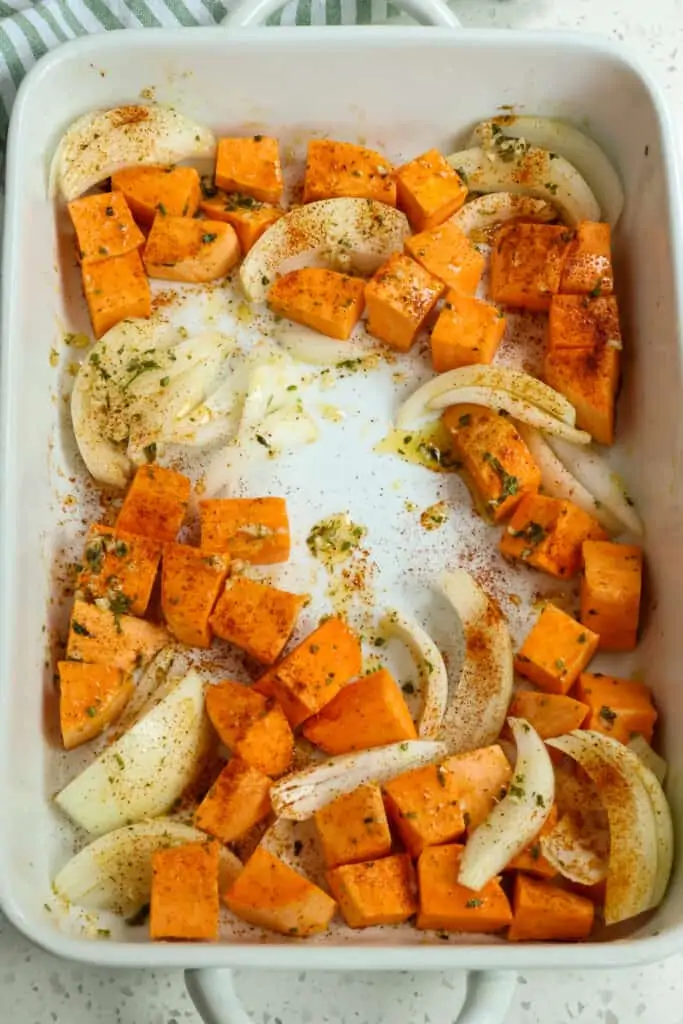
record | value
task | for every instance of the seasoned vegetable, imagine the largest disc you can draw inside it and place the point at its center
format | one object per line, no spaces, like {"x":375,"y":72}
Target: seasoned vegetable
{"x":191,"y":581}
{"x":447,"y":906}
{"x":120,"y":567}
{"x":354,"y":827}
{"x":429,"y":190}
{"x":155,"y":504}
{"x":617,"y":707}
{"x":556,"y":650}
{"x":342,"y":169}
{"x":548,"y":534}
{"x":250,"y":165}
{"x":104,"y":227}
{"x":526,"y":264}
{"x":480,"y":778}
{"x":431,"y":668}
{"x":610,"y":592}
{"x":467,"y":331}
{"x":252,"y":530}
{"x":399,"y":299}
{"x":589,"y":378}
{"x":322,"y":299}
{"x":185,"y":249}
{"x":256,"y":617}
{"x":249,"y":217}
{"x":378,"y":892}
{"x":423,"y":806}
{"x":184,"y":899}
{"x":238,"y":800}
{"x":251,"y":725}
{"x":587,"y":267}
{"x":448,"y":254}
{"x":150,"y":190}
{"x":551,"y":714}
{"x":116,"y":289}
{"x":532,"y":859}
{"x":90,"y":698}
{"x":543,"y":911}
{"x":583,"y":322}
{"x":107,"y":636}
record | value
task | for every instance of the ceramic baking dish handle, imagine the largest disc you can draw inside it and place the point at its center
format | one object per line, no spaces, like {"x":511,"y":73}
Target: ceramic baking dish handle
{"x":487,"y":1001}
{"x":255,"y":12}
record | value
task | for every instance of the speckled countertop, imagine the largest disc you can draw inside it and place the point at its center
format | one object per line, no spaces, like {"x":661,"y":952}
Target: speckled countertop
{"x":36,"y":988}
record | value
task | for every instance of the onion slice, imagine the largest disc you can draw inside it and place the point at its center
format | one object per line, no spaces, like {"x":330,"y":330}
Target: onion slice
{"x":633,"y":861}
{"x":515,"y":166}
{"x":477,"y":712}
{"x":301,"y":794}
{"x":514,"y":822}
{"x":486,"y":212}
{"x":431,"y":668}
{"x":657,"y":765}
{"x":518,"y":383}
{"x":308,"y":346}
{"x":576,"y":851}
{"x":518,"y":408}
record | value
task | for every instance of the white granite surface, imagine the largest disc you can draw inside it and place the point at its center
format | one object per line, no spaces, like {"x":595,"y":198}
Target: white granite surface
{"x":36,"y":988}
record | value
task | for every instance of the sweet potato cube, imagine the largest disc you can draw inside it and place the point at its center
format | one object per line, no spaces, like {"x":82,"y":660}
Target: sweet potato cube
{"x":551,"y":714}
{"x":314,"y":672}
{"x":119,"y":566}
{"x":256,"y":617}
{"x":399,"y":299}
{"x":116,"y":289}
{"x":447,"y":906}
{"x":423,"y":805}
{"x":354,"y":827}
{"x":321,"y":299}
{"x":251,"y":725}
{"x":377,"y":892}
{"x":429,"y":190}
{"x":238,"y":800}
{"x":589,"y":378}
{"x":547,"y":533}
{"x":447,"y":253}
{"x":531,"y":859}
{"x":480,"y":778}
{"x":542,"y":911}
{"x":150,"y":190}
{"x":269,"y":894}
{"x":369,"y":713}
{"x":254,"y":530}
{"x":185,"y":249}
{"x":579,"y":321}
{"x":468,"y":331}
{"x":90,"y":698}
{"x":104,"y":227}
{"x":555,"y":651}
{"x":588,"y":264}
{"x":498,"y":461}
{"x":184,"y":900}
{"x":191,"y":581}
{"x":103,"y":637}
{"x":610,"y":592}
{"x":526,"y":264}
{"x":618,"y":707}
{"x":250,"y":165}
{"x":335,"y":170}
{"x":155,"y":504}
{"x":249,"y":217}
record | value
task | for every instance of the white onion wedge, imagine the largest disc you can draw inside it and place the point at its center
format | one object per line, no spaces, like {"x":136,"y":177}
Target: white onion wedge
{"x":350,"y":235}
{"x":431,"y":667}
{"x":486,"y":212}
{"x":518,"y":408}
{"x":477,"y":711}
{"x":514,"y":822}
{"x":115,"y":871}
{"x":528,"y":170}
{"x":309,"y":346}
{"x":577,"y":851}
{"x":576,"y":147}
{"x":98,"y":144}
{"x":632,"y":870}
{"x":599,"y":479}
{"x":149,"y":767}
{"x":521,"y":385}
{"x":273,"y":415}
{"x":657,"y":765}
{"x":300,"y":795}
{"x":557,"y":481}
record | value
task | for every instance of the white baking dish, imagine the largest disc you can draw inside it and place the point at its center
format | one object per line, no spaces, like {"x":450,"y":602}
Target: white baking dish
{"x":408,"y":89}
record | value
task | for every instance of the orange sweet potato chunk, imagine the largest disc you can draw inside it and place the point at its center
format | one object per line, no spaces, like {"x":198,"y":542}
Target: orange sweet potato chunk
{"x":556,"y":650}
{"x":185,"y":249}
{"x":251,"y":725}
{"x":467,"y":331}
{"x":104,"y":227}
{"x":321,"y":299}
{"x":249,"y":217}
{"x":551,"y":714}
{"x":90,"y":698}
{"x":269,"y":894}
{"x":104,"y":637}
{"x":191,"y":581}
{"x":120,"y":567}
{"x":335,"y":170}
{"x":447,"y":906}
{"x":184,"y":899}
{"x":250,"y":165}
{"x":369,"y":713}
{"x":377,"y":892}
{"x":498,"y":461}
{"x":610,"y":592}
{"x":238,"y":800}
{"x":580,"y":321}
{"x":256,"y":617}
{"x":155,"y":504}
{"x":526,"y":264}
{"x":423,"y":805}
{"x":588,"y":264}
{"x":254,"y":530}
{"x":531,"y":859}
{"x":547,"y":533}
{"x":429,"y":190}
{"x":151,"y":190}
{"x":447,"y":253}
{"x":542,"y":911}
{"x":479,"y":778}
{"x":589,"y":378}
{"x":116,"y":289}
{"x":618,"y":707}
{"x":354,"y":827}
{"x":399,"y":298}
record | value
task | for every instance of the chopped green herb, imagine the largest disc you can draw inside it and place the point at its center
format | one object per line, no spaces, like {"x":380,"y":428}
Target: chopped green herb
{"x":94,"y":555}
{"x":509,"y":485}
{"x":408,"y":438}
{"x":209,"y":237}
{"x":164,"y":382}
{"x":120,"y":549}
{"x":582,"y":638}
{"x":533,"y":533}
{"x":291,"y":387}
{"x":441,"y":777}
{"x":552,"y":187}
{"x":265,"y":281}
{"x":79,"y":629}
{"x":262,"y":440}
{"x":535,"y":851}
{"x":467,"y":818}
{"x":119,"y":760}
{"x":404,"y":746}
{"x":379,"y":641}
{"x":162,"y":209}
{"x":410,"y":815}
{"x":120,"y":603}
{"x":369,"y":821}
{"x":314,"y":648}
{"x":150,"y":451}
{"x":109,"y":211}
{"x":465,"y":419}
{"x":258,"y":138}
{"x":408,"y":688}
{"x":103,"y":933}
{"x":516,"y":791}
{"x":91,"y":711}
{"x":139,"y":917}
{"x":474,"y":902}
{"x":540,"y":802}
{"x":607,"y":713}
{"x":596,"y":292}
{"x":298,"y":847}
{"x":561,"y":664}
